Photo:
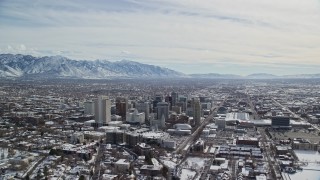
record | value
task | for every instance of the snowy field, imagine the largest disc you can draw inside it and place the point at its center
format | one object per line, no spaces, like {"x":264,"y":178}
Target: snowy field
{"x":187,"y":174}
{"x":169,"y":164}
{"x":312,"y":157}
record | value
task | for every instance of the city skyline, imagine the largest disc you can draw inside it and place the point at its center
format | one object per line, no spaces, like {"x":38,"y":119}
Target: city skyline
{"x":191,"y":37}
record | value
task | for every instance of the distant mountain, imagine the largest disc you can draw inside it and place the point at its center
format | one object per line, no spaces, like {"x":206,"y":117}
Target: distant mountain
{"x":25,"y":66}
{"x":254,"y":76}
{"x":215,"y":76}
{"x":262,"y":76}
{"x":303,"y":76}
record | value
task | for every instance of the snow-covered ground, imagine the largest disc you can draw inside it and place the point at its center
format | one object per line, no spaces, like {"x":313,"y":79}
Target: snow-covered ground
{"x":169,"y":164}
{"x":312,"y":170}
{"x":187,"y":174}
{"x":311,"y":156}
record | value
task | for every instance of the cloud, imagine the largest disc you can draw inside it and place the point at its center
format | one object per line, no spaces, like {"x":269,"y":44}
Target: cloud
{"x":168,"y":32}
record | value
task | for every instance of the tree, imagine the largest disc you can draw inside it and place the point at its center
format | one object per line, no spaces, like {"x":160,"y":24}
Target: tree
{"x":27,"y":177}
{"x":53,"y":152}
{"x":38,"y":175}
{"x":62,"y":158}
{"x":165,"y":171}
{"x":45,"y":171}
{"x":82,"y":177}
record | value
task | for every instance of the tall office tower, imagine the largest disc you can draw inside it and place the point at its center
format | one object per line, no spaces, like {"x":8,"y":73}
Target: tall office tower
{"x":202,"y":99}
{"x":162,"y":110}
{"x":182,"y":102}
{"x":174,"y":96}
{"x":88,"y":107}
{"x":143,"y":107}
{"x":168,"y":99}
{"x":122,"y":107}
{"x":183,"y":106}
{"x":196,"y":111}
{"x":102,"y":108}
{"x":158,"y":98}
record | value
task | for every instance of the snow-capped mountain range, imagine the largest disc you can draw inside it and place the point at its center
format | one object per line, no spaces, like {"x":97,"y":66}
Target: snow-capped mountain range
{"x":17,"y":66}
{"x":27,"y":66}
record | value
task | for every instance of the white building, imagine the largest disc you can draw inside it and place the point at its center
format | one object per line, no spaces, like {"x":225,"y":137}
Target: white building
{"x":133,"y":116}
{"x":145,"y":108}
{"x":158,"y":123}
{"x":182,"y":126}
{"x":122,"y":165}
{"x":102,"y":110}
{"x":77,"y":138}
{"x":234,"y":117}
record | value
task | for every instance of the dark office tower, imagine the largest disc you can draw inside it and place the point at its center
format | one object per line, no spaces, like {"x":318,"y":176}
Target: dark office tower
{"x":182,"y":102}
{"x":122,"y":107}
{"x":189,"y":103}
{"x":157,"y":99}
{"x":163,"y":110}
{"x":168,"y":99}
{"x":280,"y":122}
{"x":183,"y":99}
{"x":174,"y":96}
{"x":202,"y":99}
{"x":196,"y":106}
{"x":182,"y":105}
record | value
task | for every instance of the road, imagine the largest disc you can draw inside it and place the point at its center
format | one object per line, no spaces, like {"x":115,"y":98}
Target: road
{"x":197,"y":132}
{"x":294,"y":114}
{"x":98,"y":162}
{"x":206,"y":168}
{"x":273,"y":164}
{"x":254,"y":112}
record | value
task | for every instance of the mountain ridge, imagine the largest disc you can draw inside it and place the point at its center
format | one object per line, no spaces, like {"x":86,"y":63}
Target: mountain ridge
{"x":17,"y":66}
{"x":28,"y":66}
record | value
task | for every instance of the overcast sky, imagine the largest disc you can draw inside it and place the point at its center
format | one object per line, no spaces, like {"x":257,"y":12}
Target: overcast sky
{"x":191,"y":36}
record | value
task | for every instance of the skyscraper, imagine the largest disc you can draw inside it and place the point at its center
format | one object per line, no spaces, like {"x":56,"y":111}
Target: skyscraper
{"x":162,"y":110}
{"x":158,"y":98}
{"x":196,"y":111}
{"x":102,"y":110}
{"x":143,"y":107}
{"x":168,"y":99}
{"x":122,"y":107}
{"x":174,"y":96}
{"x":88,"y":107}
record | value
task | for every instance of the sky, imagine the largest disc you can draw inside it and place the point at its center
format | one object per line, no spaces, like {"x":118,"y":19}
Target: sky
{"x":242,"y":37}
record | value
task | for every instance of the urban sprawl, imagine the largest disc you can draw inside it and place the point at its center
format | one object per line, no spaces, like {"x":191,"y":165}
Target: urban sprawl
{"x":160,"y":129}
